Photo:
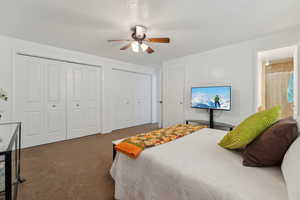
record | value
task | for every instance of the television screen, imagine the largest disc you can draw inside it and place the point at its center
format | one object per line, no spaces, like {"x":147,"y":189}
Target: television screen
{"x":218,"y":97}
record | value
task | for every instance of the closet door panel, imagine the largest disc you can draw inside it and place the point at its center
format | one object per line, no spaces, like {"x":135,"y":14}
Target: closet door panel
{"x":55,"y":101}
{"x":131,"y":79}
{"x":139,"y":94}
{"x":83,"y":100}
{"x":92,"y":99}
{"x":147,"y":103}
{"x":118,"y":100}
{"x":40,"y":100}
{"x":76,"y":115}
{"x":29,"y":99}
{"x":143,"y":99}
{"x":123,"y":100}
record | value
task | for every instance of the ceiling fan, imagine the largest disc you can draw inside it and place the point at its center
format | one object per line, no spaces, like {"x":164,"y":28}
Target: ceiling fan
{"x":139,"y":40}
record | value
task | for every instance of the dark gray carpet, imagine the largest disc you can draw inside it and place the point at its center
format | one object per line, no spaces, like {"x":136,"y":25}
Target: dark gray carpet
{"x":76,"y":169}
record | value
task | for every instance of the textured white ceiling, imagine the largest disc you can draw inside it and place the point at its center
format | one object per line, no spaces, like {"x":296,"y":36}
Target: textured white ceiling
{"x":192,"y":25}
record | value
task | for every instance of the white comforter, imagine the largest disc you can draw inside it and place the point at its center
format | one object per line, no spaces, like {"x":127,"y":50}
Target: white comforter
{"x":194,"y":168}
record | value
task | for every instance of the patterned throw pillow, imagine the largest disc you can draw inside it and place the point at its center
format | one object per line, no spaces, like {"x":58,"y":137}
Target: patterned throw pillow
{"x":250,"y":128}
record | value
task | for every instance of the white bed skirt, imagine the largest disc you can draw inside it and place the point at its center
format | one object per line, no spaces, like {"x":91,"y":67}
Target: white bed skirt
{"x":194,"y":168}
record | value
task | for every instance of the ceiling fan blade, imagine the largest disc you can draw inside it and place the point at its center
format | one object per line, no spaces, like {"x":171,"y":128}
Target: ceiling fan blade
{"x":119,"y":40}
{"x":159,"y":40}
{"x":126,"y":46}
{"x":149,"y":50}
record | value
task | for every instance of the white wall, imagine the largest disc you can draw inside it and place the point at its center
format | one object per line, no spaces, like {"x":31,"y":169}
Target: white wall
{"x":5,"y":79}
{"x":234,"y":65}
{"x":10,"y":46}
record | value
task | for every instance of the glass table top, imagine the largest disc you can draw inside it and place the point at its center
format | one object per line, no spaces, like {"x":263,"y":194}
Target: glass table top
{"x":7,"y":131}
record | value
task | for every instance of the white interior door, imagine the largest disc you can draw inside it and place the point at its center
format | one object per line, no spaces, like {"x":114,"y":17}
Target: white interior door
{"x":39,"y":100}
{"x":173,"y":103}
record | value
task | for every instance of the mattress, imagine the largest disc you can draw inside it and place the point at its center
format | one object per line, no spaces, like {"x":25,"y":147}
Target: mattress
{"x":194,"y":167}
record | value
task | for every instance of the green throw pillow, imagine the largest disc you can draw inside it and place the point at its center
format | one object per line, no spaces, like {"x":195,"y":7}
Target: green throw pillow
{"x":250,"y":128}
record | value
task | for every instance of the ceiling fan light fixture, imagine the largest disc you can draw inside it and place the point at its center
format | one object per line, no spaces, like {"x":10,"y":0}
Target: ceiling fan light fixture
{"x":144,"y":47}
{"x":140,"y":31}
{"x":138,"y":37}
{"x":135,"y":47}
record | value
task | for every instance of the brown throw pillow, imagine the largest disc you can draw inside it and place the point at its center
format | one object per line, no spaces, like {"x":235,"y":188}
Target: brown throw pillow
{"x":270,"y":147}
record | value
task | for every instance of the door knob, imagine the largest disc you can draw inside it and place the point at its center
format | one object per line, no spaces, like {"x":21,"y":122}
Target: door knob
{"x":77,"y":105}
{"x":180,"y":103}
{"x":53,"y":106}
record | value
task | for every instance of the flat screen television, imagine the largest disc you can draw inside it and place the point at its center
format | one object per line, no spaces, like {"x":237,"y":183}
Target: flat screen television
{"x":214,"y":97}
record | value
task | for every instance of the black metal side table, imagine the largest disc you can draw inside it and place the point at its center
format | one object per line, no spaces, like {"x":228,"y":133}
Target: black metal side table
{"x":10,"y":155}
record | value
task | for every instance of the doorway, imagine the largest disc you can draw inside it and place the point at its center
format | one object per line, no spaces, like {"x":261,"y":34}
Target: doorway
{"x":173,"y":99}
{"x":277,"y":80}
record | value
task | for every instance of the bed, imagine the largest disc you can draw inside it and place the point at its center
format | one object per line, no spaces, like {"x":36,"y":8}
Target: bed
{"x":194,"y":167}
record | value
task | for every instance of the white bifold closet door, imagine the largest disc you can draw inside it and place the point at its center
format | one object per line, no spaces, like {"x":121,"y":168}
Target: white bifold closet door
{"x":40,"y":100}
{"x":56,"y":100}
{"x":142,"y":98}
{"x":131,"y":99}
{"x":83,"y":100}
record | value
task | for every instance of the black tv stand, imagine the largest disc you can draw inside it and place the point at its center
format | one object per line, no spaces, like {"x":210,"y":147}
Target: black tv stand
{"x":211,"y":118}
{"x":216,"y":125}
